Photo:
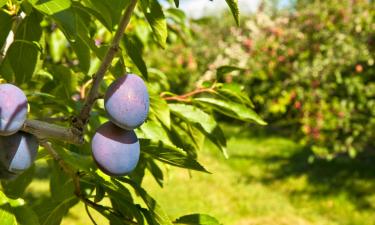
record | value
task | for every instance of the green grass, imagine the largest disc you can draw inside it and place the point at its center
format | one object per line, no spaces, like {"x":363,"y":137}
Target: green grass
{"x":266,"y":180}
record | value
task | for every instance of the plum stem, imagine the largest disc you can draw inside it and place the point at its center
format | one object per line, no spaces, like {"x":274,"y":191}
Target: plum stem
{"x":84,"y":114}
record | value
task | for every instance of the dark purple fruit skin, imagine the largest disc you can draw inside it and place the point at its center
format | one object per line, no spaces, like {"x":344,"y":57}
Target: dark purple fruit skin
{"x":127,"y":102}
{"x":116,"y":151}
{"x":13,"y":109}
{"x":17,"y":152}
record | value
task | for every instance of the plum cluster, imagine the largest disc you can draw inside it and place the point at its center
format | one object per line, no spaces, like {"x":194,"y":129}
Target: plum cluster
{"x":115,"y":146}
{"x":18,"y":149}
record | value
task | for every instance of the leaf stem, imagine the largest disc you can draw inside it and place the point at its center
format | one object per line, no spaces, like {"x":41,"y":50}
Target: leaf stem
{"x":83,"y":117}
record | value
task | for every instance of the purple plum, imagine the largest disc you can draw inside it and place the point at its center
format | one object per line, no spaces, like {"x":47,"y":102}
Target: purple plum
{"x":127,"y":102}
{"x":116,"y":151}
{"x":17,"y":152}
{"x":13,"y":109}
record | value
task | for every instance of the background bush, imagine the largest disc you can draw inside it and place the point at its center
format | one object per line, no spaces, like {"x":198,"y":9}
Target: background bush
{"x":309,"y":69}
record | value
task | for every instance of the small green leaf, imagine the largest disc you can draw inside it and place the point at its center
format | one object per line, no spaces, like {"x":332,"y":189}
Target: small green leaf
{"x":156,"y":210}
{"x":133,"y":48}
{"x":155,"y":17}
{"x":197,"y":219}
{"x":101,"y":11}
{"x":155,"y":131}
{"x":156,"y":172}
{"x":22,"y":55}
{"x":16,"y":187}
{"x":5,"y":26}
{"x":203,"y":121}
{"x":233,"y":5}
{"x":83,"y":54}
{"x":161,"y":110}
{"x":232,"y":109}
{"x":25,"y":215}
{"x":3,"y":2}
{"x":169,"y":154}
{"x":6,"y":215}
{"x":51,"y":212}
{"x":61,"y":185}
{"x":50,"y":7}
{"x":177,"y":3}
{"x":222,"y":70}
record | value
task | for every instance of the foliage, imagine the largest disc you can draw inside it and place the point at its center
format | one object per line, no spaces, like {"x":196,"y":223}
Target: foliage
{"x":52,"y":50}
{"x":309,"y":69}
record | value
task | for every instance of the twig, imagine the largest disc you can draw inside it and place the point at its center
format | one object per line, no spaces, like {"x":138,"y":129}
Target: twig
{"x":84,"y":115}
{"x":89,"y":214}
{"x":44,"y":130}
{"x":184,"y":97}
{"x":67,"y":169}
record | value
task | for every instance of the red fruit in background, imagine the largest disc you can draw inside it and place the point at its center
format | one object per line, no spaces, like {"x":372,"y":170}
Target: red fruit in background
{"x":248,"y":43}
{"x":281,"y":58}
{"x":297,"y":105}
{"x":341,"y":114}
{"x":358,"y":68}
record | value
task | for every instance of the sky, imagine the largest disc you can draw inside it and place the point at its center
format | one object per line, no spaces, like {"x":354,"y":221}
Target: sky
{"x":198,"y":8}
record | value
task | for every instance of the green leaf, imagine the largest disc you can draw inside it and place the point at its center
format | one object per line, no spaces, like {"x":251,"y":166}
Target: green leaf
{"x":155,"y":17}
{"x":133,"y":48}
{"x":101,"y":11}
{"x":22,"y":55}
{"x":234,"y":92}
{"x":6,"y":215}
{"x":177,"y":3}
{"x":160,"y":108}
{"x":222,"y":70}
{"x":51,"y":212}
{"x":76,"y":160}
{"x":169,"y":154}
{"x":50,"y":7}
{"x":232,"y":109}
{"x":24,"y":214}
{"x":155,"y":131}
{"x":156,"y":172}
{"x":3,"y":2}
{"x":203,"y":121}
{"x":194,"y":115}
{"x":233,"y":5}
{"x":5,"y":26}
{"x":197,"y":219}
{"x":83,"y":54}
{"x":156,"y":210}
{"x":16,"y":187}
{"x":61,"y":184}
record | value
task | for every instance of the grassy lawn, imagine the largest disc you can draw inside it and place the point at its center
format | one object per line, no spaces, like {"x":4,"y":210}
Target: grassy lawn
{"x":266,"y":180}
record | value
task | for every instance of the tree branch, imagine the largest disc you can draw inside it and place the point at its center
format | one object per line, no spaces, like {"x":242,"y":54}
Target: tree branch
{"x":44,"y":130}
{"x":84,"y":115}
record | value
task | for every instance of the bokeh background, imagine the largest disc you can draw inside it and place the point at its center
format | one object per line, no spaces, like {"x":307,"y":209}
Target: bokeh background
{"x":308,"y":66}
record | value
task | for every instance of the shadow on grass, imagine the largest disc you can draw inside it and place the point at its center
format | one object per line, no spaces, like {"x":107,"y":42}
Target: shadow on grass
{"x":355,"y":178}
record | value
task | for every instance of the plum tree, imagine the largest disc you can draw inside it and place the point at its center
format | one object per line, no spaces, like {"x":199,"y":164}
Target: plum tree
{"x":17,"y":153}
{"x":116,"y":151}
{"x":13,"y":109}
{"x":127,"y":101}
